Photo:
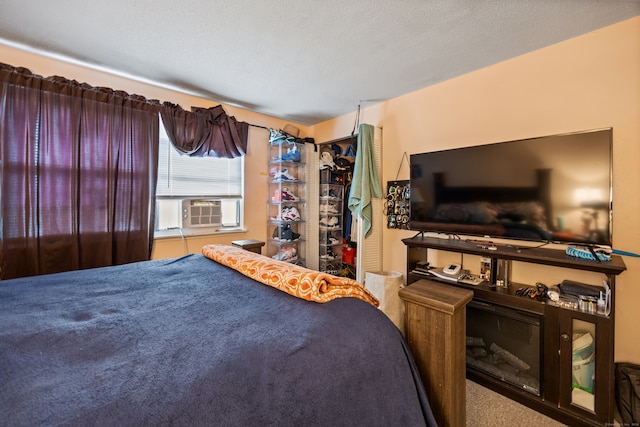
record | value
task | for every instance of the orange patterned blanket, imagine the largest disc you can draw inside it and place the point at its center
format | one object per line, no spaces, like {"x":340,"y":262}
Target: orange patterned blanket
{"x":298,"y":281}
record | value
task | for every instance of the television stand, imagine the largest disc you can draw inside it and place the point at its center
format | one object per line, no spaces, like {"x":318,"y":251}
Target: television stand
{"x":587,"y":401}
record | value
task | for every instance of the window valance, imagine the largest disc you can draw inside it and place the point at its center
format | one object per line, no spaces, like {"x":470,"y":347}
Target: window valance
{"x":200,"y":132}
{"x":205,"y":132}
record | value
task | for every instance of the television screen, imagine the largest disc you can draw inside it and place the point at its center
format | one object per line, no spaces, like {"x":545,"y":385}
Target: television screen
{"x":552,"y":189}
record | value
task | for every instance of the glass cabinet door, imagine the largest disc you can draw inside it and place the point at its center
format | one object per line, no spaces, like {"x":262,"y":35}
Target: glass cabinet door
{"x":583,"y":364}
{"x":586,"y":370}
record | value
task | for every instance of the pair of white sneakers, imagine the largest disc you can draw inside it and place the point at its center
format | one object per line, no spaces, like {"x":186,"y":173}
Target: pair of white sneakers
{"x":326,"y":161}
{"x":328,"y":209}
{"x":288,"y":213}
{"x":284,"y":195}
{"x":331,"y":222}
{"x":283,"y":176}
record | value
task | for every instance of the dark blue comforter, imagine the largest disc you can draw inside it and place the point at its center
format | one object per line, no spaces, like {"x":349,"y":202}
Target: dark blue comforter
{"x":190,"y":342}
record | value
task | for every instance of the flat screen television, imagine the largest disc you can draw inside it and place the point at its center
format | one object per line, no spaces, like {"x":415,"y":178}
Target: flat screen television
{"x":548,"y":189}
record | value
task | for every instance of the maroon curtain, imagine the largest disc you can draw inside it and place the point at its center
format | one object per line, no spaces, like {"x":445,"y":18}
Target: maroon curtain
{"x":79,"y":171}
{"x":204,"y":132}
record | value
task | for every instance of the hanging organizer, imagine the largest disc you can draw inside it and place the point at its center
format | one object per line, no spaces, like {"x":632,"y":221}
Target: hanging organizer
{"x":397,"y":203}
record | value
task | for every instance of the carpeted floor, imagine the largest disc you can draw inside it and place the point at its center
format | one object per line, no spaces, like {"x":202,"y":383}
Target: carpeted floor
{"x":488,"y":408}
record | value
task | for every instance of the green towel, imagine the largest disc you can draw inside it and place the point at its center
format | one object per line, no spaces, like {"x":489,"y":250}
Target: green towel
{"x":365,"y":183}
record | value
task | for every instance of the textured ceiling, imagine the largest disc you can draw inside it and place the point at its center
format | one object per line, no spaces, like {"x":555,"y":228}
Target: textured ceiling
{"x":301,"y":60}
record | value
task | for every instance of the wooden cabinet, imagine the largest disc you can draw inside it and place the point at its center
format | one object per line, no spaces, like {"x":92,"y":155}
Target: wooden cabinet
{"x":435,"y":330}
{"x":576,"y":372}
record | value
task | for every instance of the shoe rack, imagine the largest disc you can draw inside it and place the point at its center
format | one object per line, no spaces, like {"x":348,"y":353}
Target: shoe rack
{"x":286,"y":199}
{"x":335,"y":254}
{"x":330,"y":210}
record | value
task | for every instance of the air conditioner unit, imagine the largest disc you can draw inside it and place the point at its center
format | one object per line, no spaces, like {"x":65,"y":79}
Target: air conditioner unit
{"x":201,"y":213}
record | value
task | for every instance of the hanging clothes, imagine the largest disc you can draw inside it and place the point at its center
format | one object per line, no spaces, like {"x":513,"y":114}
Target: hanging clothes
{"x":366,"y":183}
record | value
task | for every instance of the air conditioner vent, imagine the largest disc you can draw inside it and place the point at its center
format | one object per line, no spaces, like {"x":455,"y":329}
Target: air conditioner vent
{"x":201,"y":213}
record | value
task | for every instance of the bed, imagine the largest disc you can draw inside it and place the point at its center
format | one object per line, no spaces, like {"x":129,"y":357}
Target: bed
{"x":198,"y":341}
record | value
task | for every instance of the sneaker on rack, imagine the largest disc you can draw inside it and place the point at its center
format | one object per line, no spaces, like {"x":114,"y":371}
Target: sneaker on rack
{"x":326,"y":161}
{"x":287,"y":195}
{"x":284,"y":175}
{"x":329,"y":256}
{"x":332,"y":240}
{"x":287,"y":234}
{"x":286,"y":254}
{"x":292,"y":155}
{"x":290,"y":139}
{"x":329,"y":195}
{"x":276,"y":137}
{"x":290,"y":213}
{"x":328,"y":209}
{"x":282,"y":214}
{"x":329,"y":222}
{"x":281,"y":254}
{"x":333,"y":269}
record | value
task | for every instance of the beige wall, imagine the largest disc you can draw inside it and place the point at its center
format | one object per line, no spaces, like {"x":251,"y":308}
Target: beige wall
{"x":589,"y":82}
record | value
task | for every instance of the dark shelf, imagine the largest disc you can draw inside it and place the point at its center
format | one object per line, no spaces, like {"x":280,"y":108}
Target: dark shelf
{"x":502,"y":296}
{"x":544,"y":256}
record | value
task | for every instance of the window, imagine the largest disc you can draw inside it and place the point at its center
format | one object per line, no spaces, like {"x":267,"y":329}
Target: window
{"x":197,"y":195}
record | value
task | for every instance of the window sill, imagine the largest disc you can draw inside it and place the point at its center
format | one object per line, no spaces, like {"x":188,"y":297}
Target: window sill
{"x":178,"y":233}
